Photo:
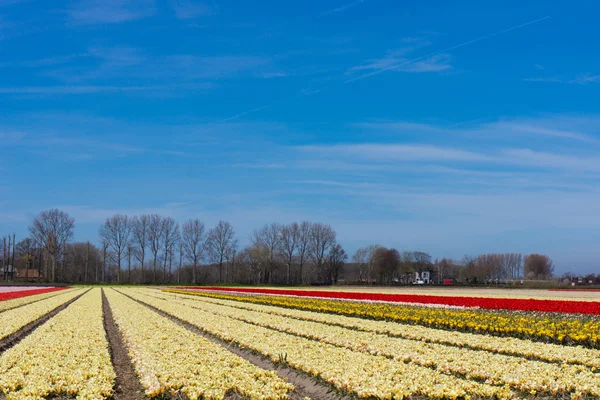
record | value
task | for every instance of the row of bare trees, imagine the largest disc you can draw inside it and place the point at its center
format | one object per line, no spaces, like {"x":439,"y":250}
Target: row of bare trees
{"x":377,"y":264}
{"x":162,"y":239}
{"x":276,"y":254}
{"x":151,"y":248}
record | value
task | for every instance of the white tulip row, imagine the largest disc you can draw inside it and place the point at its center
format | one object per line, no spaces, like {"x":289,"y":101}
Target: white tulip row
{"x":501,"y":345}
{"x":66,"y":356}
{"x":13,"y":320}
{"x":521,"y":374}
{"x":365,"y":375}
{"x":169,"y":359}
{"x":21,"y":301}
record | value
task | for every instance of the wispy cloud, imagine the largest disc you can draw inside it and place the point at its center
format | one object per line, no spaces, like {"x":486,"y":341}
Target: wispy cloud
{"x":398,"y":59}
{"x":401,"y":64}
{"x":398,"y":152}
{"x":110,"y":11}
{"x":190,"y":9}
{"x":447,"y":50}
{"x":341,"y":8}
{"x":574,"y":162}
{"x":581,"y":79}
{"x":571,"y":128}
{"x":135,"y":66}
{"x":437,"y":63}
{"x":155,"y":90}
{"x":5,"y":3}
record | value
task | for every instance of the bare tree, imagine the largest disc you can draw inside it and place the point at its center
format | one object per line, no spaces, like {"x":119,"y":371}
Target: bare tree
{"x":538,"y":266}
{"x":322,"y":238}
{"x":194,"y":243}
{"x":336,"y":259}
{"x":87,"y":260}
{"x":269,"y":237}
{"x":52,"y":229}
{"x":155,"y":239}
{"x":220,"y":240}
{"x":115,"y":232}
{"x":140,"y":228}
{"x":303,"y":247}
{"x":290,"y":236}
{"x":105,"y":255}
{"x":180,"y":262}
{"x":129,"y":251}
{"x":361,"y":259}
{"x":171,"y":237}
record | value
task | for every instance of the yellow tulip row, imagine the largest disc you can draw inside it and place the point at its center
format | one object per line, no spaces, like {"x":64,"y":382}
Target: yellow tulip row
{"x":583,"y":330}
{"x":501,"y":345}
{"x":66,"y":356}
{"x":365,"y":375}
{"x":13,"y":320}
{"x":169,"y":359}
{"x":21,"y":301}
{"x":521,"y":374}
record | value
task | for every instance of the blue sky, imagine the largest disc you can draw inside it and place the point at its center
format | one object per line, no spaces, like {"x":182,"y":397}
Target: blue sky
{"x":455,"y":128}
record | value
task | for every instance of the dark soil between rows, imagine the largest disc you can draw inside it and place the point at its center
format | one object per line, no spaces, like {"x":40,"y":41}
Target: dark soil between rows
{"x":127,"y":385}
{"x":13,"y":339}
{"x":306,"y":386}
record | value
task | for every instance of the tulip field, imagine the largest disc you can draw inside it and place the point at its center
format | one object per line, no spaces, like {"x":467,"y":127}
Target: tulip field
{"x":264,"y":343}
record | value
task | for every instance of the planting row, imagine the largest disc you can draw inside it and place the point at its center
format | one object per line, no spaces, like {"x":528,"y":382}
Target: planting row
{"x":490,"y":303}
{"x":501,"y":345}
{"x":518,"y":373}
{"x":363,"y":374}
{"x":170,"y":359}
{"x":66,"y":356}
{"x":8,"y":304}
{"x":12,"y":292}
{"x":559,"y":328}
{"x":14,"y":319}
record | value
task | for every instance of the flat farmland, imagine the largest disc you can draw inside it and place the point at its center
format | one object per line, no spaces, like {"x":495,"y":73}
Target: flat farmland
{"x":215,"y":343}
{"x":579,"y":294}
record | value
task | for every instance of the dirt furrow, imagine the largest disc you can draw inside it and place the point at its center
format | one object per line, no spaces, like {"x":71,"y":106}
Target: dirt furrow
{"x":14,"y":338}
{"x":306,"y":386}
{"x":127,"y":385}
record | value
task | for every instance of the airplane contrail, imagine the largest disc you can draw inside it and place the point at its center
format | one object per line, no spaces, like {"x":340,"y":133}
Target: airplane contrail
{"x":435,"y":53}
{"x":341,"y":8}
{"x":396,"y":66}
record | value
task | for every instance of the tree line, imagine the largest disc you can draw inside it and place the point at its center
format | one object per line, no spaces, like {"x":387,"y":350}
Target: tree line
{"x":153,"y":249}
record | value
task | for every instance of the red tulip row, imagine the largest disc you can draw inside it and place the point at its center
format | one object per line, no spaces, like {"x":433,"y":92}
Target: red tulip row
{"x":30,"y":292}
{"x":558,"y":306}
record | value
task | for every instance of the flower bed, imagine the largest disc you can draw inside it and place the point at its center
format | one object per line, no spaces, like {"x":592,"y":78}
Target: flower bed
{"x":559,"y":306}
{"x":15,"y":292}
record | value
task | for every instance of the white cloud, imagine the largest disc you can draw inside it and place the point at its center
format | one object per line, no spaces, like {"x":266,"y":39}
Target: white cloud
{"x":398,"y":152}
{"x":571,"y":128}
{"x":189,"y":9}
{"x":528,"y":157}
{"x":111,"y":11}
{"x":582,"y":79}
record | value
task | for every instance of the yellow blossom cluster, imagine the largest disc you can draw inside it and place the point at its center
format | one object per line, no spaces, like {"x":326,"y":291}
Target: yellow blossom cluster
{"x":13,"y":320}
{"x":366,"y":375}
{"x":21,"y":301}
{"x":545,"y":326}
{"x":501,"y":345}
{"x":517,"y":372}
{"x":169,"y":359}
{"x":66,"y":356}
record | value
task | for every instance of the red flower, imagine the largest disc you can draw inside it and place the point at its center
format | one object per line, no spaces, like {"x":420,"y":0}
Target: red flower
{"x":560,"y":306}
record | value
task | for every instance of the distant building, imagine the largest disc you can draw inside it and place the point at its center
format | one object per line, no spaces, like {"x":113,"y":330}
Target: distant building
{"x":28,"y":274}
